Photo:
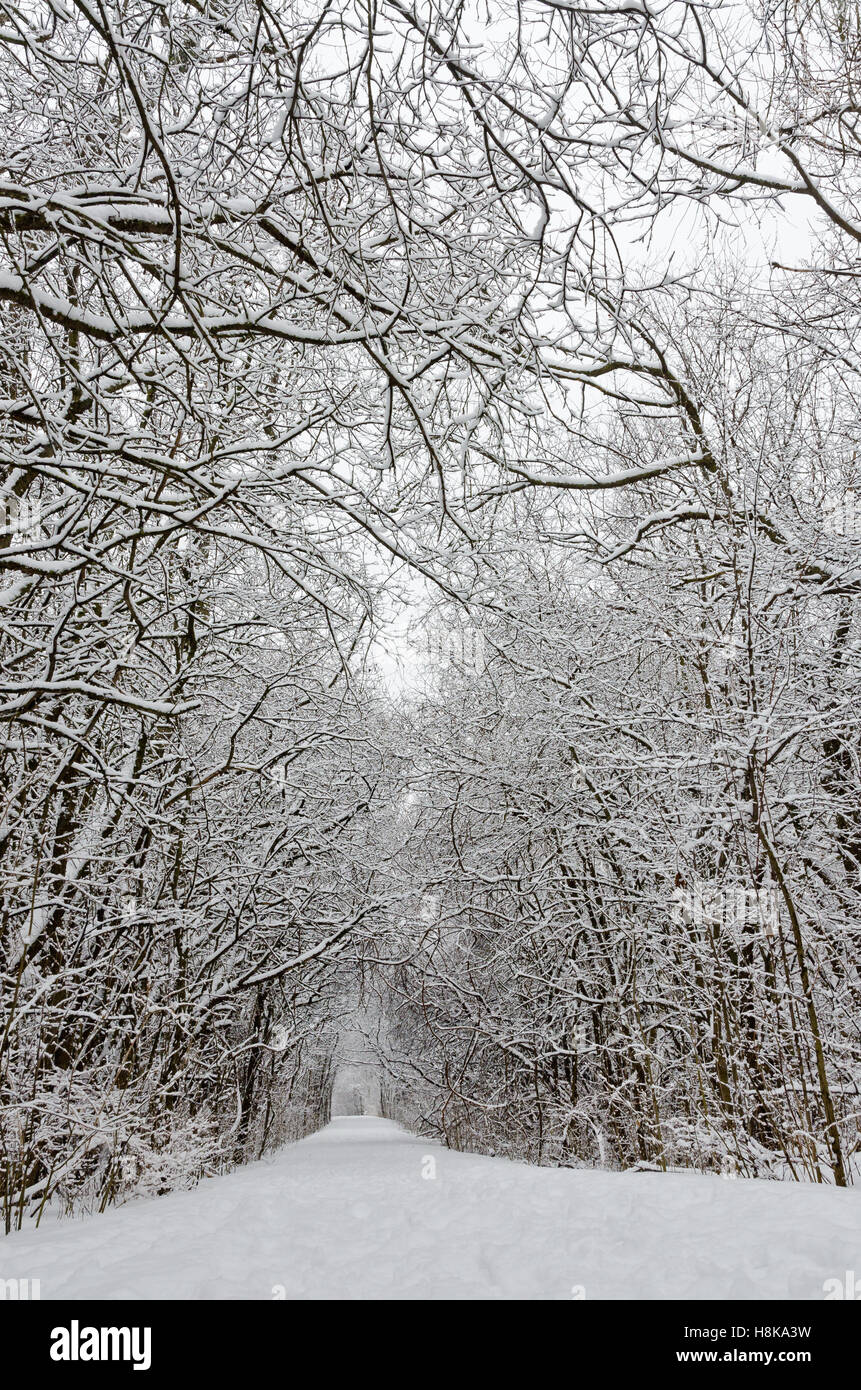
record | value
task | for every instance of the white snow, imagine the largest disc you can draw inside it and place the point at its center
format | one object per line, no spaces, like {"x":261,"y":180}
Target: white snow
{"x":353,"y":1213}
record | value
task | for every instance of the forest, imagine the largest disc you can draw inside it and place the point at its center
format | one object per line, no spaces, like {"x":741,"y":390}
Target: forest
{"x":431,"y":561}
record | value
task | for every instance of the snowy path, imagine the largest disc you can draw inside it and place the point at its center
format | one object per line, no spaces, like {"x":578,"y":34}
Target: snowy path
{"x":348,"y":1213}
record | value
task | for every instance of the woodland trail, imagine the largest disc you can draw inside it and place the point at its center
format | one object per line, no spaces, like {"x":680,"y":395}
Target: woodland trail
{"x":364,"y":1210}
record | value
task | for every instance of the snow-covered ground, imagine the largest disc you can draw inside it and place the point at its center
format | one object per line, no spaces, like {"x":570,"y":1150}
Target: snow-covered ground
{"x":365,"y":1210}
